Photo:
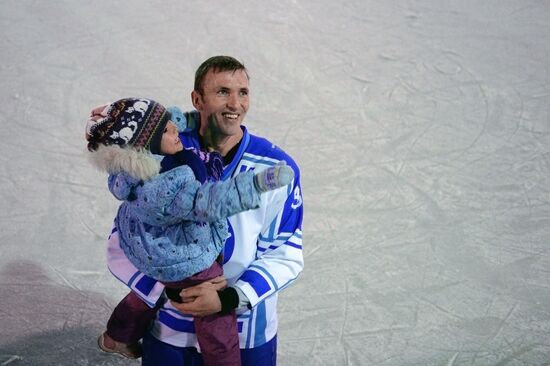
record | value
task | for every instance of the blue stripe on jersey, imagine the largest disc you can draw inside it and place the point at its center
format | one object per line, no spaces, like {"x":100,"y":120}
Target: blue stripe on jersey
{"x":272,"y":232}
{"x":181,"y":325}
{"x":271,"y":247}
{"x":267,"y":274}
{"x":133,"y":278}
{"x":258,"y":160}
{"x":228,"y":170}
{"x":290,"y":244}
{"x":145,"y":284}
{"x":272,"y":228}
{"x":258,"y":283}
{"x":243,"y":168}
{"x":174,"y":311}
{"x":271,"y":239}
{"x":261,"y":321}
{"x":229,"y":246}
{"x":151,"y":304}
{"x":249,"y":331}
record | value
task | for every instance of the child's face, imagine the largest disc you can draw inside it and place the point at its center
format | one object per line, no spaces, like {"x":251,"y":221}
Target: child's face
{"x":170,"y":142}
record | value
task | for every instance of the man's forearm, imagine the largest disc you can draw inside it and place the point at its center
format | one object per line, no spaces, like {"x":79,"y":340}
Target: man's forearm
{"x":232,"y":298}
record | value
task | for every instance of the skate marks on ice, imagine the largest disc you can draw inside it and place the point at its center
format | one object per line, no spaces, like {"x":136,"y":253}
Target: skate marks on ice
{"x":428,"y":227}
{"x":47,"y":321}
{"x":421,"y":130}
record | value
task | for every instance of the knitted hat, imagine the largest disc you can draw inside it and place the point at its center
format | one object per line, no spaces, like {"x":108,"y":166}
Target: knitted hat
{"x":122,"y":136}
{"x":128,"y":122}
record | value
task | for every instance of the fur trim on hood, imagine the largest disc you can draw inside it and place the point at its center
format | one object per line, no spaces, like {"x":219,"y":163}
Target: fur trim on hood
{"x":113,"y":159}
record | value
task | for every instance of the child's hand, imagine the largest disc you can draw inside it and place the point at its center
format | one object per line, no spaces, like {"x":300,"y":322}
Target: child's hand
{"x":274,"y":177}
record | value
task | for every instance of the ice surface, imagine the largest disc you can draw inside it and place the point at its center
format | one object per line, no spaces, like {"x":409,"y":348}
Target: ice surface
{"x":422,"y":129}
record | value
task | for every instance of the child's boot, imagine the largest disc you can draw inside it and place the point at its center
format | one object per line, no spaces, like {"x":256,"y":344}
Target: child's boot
{"x":109,"y":345}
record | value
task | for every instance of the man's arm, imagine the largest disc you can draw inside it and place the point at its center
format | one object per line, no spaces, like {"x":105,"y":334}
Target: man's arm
{"x":279,"y":257}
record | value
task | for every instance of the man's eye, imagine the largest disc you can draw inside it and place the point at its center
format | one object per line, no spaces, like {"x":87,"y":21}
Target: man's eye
{"x":223,"y":92}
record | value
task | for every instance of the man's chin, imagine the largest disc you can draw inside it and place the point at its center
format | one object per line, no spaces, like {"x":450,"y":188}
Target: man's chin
{"x":234,"y":131}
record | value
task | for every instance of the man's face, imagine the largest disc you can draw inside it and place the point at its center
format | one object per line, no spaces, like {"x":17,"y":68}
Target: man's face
{"x":170,"y":142}
{"x":225,"y":94}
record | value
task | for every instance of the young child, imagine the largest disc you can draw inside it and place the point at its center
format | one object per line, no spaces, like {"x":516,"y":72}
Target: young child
{"x":172,"y":223}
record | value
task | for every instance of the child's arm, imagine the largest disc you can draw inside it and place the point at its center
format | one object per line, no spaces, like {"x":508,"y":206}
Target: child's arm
{"x":176,"y":196}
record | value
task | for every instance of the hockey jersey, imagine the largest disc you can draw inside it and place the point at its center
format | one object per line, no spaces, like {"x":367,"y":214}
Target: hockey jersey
{"x":262,"y":255}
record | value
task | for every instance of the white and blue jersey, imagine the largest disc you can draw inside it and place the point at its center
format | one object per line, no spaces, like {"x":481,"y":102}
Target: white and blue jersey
{"x":262,"y":255}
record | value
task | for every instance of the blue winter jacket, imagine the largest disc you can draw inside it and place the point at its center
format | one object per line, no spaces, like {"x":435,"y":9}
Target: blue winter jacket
{"x":171,"y":226}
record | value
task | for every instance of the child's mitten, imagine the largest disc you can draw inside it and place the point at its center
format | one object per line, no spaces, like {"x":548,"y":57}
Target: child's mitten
{"x":274,"y":177}
{"x":177,"y":116}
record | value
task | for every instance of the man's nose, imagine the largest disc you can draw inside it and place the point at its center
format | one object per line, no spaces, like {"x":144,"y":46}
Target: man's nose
{"x":233,"y":101}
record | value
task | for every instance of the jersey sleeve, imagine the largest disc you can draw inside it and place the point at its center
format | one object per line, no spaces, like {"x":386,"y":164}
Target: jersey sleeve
{"x":279,"y":253}
{"x":147,"y":288}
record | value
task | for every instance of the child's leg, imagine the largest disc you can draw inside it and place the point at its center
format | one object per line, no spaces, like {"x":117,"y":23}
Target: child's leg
{"x":217,"y":334}
{"x":130,"y":319}
{"x":219,"y":339}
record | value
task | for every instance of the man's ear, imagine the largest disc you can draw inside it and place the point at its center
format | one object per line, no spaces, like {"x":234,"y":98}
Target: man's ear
{"x":196,"y":99}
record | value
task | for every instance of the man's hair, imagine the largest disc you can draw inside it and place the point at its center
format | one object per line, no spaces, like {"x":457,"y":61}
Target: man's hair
{"x":217,"y":64}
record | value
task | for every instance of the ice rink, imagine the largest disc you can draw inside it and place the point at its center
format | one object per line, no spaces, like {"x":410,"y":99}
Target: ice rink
{"x":422,"y":129}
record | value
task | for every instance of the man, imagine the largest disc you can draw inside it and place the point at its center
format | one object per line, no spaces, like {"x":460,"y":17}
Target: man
{"x":264,"y":252}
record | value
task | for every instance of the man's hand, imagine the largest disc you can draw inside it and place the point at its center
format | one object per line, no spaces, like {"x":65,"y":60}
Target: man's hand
{"x":202,"y":299}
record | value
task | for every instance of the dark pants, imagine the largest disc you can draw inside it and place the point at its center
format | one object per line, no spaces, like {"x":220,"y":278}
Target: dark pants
{"x":217,"y":334}
{"x":157,"y":353}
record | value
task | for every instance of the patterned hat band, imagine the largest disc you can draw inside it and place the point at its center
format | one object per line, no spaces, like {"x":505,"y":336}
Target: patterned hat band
{"x":132,"y":122}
